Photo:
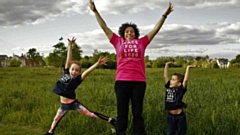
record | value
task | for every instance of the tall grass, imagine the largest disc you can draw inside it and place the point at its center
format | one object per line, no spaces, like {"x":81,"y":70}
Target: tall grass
{"x":27,"y":104}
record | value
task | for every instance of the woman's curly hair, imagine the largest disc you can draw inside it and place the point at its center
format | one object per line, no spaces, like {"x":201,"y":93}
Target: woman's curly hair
{"x":125,"y":25}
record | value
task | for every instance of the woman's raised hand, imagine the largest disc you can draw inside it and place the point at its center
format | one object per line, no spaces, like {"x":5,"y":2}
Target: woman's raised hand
{"x":92,"y":6}
{"x":169,"y":10}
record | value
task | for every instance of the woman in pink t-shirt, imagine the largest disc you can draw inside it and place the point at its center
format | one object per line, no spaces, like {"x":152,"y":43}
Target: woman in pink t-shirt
{"x":130,"y":81}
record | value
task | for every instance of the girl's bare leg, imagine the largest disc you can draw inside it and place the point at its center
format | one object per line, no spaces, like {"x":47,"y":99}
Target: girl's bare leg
{"x":57,"y":118}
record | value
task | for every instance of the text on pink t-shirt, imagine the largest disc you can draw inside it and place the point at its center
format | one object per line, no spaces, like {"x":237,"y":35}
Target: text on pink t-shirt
{"x":130,"y":58}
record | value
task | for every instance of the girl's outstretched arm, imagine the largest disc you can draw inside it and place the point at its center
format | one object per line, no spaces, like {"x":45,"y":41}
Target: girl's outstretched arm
{"x":101,"y":61}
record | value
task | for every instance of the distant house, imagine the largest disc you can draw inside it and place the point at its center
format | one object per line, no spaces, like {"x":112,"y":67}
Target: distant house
{"x":3,"y":60}
{"x":24,"y":60}
{"x":223,"y":63}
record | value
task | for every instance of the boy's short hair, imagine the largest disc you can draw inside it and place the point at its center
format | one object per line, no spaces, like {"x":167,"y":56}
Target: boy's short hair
{"x":179,"y":76}
{"x":123,"y":27}
{"x":76,"y":62}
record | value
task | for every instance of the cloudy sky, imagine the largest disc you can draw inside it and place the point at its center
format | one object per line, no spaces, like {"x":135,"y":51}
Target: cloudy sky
{"x":195,"y":27}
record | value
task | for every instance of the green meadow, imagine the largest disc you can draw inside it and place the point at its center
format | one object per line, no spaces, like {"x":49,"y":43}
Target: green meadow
{"x":27,"y":104}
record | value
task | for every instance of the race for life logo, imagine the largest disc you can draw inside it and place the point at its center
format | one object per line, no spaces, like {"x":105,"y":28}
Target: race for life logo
{"x":131,"y":49}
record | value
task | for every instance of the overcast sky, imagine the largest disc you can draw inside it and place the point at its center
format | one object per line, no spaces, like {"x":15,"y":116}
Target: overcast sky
{"x":195,"y":27}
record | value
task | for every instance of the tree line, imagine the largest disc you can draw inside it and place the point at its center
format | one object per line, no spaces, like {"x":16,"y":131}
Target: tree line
{"x":58,"y":56}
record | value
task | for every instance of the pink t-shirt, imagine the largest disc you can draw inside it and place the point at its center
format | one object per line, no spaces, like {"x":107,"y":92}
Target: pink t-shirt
{"x":130,"y":58}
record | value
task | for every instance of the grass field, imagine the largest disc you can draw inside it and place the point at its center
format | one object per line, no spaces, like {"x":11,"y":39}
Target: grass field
{"x":27,"y":104}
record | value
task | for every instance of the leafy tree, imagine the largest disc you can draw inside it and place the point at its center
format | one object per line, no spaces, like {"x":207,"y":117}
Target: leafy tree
{"x":237,"y":60}
{"x":58,"y":56}
{"x":112,"y":59}
{"x":96,"y":55}
{"x":85,"y":63}
{"x":169,"y":59}
{"x":14,"y":63}
{"x":159,"y":62}
{"x":76,"y":52}
{"x":214,"y":65}
{"x":179,"y":61}
{"x":42,"y":61}
{"x":148,"y":62}
{"x":34,"y":56}
{"x":238,"y":56}
{"x":112,"y":63}
{"x":235,"y":65}
{"x":146,"y":59}
{"x":54,"y":60}
{"x":154,"y":64}
{"x":207,"y":57}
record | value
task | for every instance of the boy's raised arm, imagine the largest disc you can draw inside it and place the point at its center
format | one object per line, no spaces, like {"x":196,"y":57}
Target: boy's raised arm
{"x":69,"y":52}
{"x":166,"y":71}
{"x":101,"y":61}
{"x":185,"y":81}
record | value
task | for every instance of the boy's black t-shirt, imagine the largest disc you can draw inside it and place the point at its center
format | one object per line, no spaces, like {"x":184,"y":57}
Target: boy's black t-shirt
{"x":66,"y":86}
{"x":174,"y":96}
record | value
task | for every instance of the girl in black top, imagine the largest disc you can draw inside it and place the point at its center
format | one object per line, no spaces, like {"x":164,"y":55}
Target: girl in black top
{"x":67,"y":84}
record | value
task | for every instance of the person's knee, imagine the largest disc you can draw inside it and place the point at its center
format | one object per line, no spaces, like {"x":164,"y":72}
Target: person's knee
{"x":57,"y":117}
{"x":137,"y":115}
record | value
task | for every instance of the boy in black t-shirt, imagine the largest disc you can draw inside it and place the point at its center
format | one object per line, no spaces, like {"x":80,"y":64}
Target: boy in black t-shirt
{"x":175,"y":90}
{"x":67,"y":84}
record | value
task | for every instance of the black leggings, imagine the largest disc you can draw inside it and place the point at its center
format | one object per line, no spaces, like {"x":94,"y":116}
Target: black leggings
{"x":126,"y":91}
